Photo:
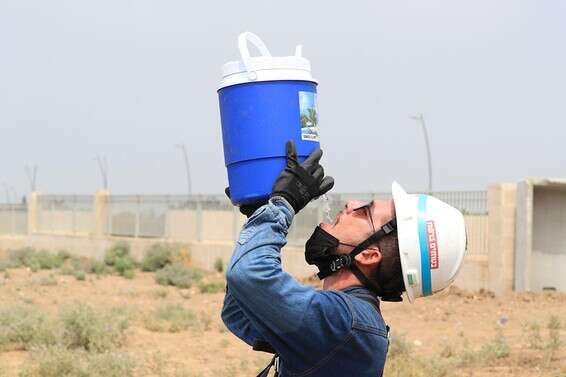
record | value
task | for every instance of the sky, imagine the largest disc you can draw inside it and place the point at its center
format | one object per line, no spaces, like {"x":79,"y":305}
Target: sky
{"x":129,"y":80}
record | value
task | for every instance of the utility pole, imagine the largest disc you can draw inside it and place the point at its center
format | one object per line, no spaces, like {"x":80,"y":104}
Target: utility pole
{"x":103,"y":166}
{"x":187,"y":168}
{"x":7,"y":192}
{"x":10,"y":205}
{"x":31,"y":173}
{"x":420,"y":118}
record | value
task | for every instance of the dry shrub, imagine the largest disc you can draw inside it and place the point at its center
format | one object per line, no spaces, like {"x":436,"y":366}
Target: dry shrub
{"x":118,"y":257}
{"x":34,"y":260}
{"x":212,"y":287}
{"x":22,"y":328}
{"x":498,"y":348}
{"x":532,"y":335}
{"x":553,"y":327}
{"x":158,"y":256}
{"x":401,"y":361}
{"x":57,"y":361}
{"x":84,"y":328}
{"x":219,"y":265}
{"x":171,"y":318}
{"x":177,"y":275}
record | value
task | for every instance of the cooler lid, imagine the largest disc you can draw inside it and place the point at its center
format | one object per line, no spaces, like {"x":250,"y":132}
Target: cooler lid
{"x":264,"y":67}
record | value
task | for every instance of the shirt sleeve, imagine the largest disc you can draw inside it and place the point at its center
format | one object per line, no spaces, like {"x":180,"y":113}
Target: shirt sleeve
{"x":291,"y":316}
{"x":237,"y":322}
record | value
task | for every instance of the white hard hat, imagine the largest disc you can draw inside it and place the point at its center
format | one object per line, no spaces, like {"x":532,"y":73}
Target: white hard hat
{"x":432,"y":242}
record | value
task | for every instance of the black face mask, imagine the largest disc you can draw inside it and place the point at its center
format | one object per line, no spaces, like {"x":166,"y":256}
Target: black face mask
{"x":321,"y":250}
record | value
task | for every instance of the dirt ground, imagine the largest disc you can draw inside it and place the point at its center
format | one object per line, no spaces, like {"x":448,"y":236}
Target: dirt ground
{"x":437,"y":328}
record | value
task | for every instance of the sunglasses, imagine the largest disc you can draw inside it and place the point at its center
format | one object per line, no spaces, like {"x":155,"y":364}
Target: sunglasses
{"x":366,"y":208}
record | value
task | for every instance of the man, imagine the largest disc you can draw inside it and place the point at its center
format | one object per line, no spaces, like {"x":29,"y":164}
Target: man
{"x":413,"y":243}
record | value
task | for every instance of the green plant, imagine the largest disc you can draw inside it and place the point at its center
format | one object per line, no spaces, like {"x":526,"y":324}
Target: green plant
{"x":110,"y":364}
{"x":67,"y":270}
{"x":532,"y":334}
{"x":118,"y":256}
{"x":218,"y":265}
{"x":158,"y":256}
{"x":80,"y":264}
{"x":48,"y":261}
{"x":211,"y":287}
{"x":24,"y":257}
{"x":398,"y":345}
{"x":98,"y":268}
{"x":58,"y":361}
{"x":75,"y":266}
{"x":54,"y":361}
{"x":177,"y":275}
{"x":84,"y":328}
{"x":498,"y":347}
{"x":170,"y":318}
{"x":34,"y":260}
{"x":125,"y":267}
{"x":553,"y":327}
{"x":63,"y":254}
{"x":23,"y":328}
{"x":128,"y":274}
{"x":117,"y":251}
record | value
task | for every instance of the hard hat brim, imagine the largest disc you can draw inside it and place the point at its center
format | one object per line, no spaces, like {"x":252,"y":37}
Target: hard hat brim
{"x":402,"y":202}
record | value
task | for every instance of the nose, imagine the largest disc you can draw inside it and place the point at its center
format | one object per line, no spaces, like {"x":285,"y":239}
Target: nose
{"x":351,"y":205}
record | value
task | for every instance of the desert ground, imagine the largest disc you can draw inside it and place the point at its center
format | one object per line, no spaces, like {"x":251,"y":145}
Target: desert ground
{"x":170,"y":331}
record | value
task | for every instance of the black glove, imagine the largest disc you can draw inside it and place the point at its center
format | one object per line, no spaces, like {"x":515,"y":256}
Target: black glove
{"x":299,"y":184}
{"x":246,"y":209}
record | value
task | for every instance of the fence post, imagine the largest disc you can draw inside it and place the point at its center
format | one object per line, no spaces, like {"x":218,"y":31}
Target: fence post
{"x":101,"y":212}
{"x":32,"y":211}
{"x":74,"y":215}
{"x":501,"y":237}
{"x":199,"y":218}
{"x":137,"y":225}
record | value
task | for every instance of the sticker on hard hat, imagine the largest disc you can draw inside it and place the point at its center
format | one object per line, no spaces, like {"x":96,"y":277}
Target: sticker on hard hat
{"x":432,"y":244}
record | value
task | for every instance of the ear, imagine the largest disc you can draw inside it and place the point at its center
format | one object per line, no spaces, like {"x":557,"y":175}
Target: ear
{"x":369,"y":257}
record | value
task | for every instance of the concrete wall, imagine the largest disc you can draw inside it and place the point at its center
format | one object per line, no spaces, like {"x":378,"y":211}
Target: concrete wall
{"x":208,"y":235}
{"x":548,"y":256}
{"x":540,"y":252}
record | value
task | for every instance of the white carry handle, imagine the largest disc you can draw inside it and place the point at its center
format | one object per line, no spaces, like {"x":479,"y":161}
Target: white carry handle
{"x":243,"y":40}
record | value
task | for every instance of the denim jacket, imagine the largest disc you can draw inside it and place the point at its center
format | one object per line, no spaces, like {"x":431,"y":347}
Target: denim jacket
{"x":316,"y":333}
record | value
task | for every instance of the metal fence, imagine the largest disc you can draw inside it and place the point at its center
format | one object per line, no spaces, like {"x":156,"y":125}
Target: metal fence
{"x":65,"y":214}
{"x":170,"y":216}
{"x":202,"y":217}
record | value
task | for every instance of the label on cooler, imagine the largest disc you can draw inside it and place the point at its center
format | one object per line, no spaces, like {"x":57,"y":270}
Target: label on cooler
{"x":309,"y":116}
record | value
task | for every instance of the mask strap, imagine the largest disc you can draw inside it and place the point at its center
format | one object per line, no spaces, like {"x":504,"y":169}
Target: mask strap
{"x":346,"y":260}
{"x":385,"y":230}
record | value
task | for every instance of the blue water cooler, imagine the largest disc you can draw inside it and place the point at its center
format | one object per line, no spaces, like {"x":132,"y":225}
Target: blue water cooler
{"x":264,"y":101}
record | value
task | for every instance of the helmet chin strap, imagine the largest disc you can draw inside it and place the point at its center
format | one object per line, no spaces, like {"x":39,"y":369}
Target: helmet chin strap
{"x":348,"y":261}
